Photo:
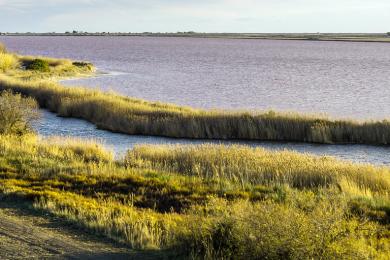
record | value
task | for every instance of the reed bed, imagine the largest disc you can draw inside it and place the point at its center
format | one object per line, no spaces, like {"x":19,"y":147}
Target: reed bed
{"x":133,"y":116}
{"x":256,"y":166}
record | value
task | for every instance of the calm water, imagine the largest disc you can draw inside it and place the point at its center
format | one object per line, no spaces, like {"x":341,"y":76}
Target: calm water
{"x":341,"y":79}
{"x":51,"y":125}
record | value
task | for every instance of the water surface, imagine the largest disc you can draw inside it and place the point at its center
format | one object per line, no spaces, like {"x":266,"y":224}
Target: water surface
{"x":51,"y":125}
{"x":342,"y":79}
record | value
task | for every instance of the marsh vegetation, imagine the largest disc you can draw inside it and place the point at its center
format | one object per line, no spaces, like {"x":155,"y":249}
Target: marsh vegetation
{"x":127,"y":115}
{"x":208,"y":208}
{"x":134,"y":116}
{"x":208,"y":201}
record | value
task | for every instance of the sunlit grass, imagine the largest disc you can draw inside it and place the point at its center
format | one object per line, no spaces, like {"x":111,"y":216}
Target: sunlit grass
{"x":254,"y":166}
{"x":8,"y":62}
{"x":195,"y":200}
{"x":134,"y":116}
{"x":207,"y":201}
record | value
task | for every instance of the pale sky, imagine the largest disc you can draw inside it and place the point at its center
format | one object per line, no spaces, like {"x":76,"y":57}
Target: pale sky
{"x":195,"y":15}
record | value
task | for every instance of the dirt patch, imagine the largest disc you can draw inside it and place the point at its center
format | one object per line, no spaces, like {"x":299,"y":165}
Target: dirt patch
{"x":25,"y":235}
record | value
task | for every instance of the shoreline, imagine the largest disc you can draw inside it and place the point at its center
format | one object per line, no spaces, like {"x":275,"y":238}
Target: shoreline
{"x":133,"y":116}
{"x":367,"y":38}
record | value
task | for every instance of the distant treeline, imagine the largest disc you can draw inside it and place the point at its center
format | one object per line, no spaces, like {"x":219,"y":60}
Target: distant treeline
{"x":286,"y":36}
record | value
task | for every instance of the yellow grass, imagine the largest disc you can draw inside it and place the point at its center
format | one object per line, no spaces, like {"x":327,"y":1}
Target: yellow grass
{"x":133,"y":116}
{"x":192,"y":214}
{"x":8,"y":62}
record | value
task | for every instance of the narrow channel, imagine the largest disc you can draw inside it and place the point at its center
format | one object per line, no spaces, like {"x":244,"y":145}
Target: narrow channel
{"x":52,"y":125}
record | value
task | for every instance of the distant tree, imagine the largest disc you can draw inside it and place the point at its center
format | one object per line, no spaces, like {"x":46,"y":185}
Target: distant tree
{"x":388,"y":34}
{"x":74,"y":32}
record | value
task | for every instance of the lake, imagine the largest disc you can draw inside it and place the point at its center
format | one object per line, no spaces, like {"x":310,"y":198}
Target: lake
{"x":341,"y":79}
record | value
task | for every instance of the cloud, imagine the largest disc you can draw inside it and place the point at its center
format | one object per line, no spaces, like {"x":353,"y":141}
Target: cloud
{"x":199,"y":15}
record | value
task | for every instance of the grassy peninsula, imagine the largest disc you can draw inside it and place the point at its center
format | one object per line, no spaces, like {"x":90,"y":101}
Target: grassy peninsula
{"x":134,"y":116}
{"x":197,"y":202}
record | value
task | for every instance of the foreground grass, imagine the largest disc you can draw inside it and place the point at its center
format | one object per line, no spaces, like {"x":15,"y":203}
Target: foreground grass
{"x":195,"y":201}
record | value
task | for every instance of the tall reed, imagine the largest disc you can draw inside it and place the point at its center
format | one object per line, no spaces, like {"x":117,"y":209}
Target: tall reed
{"x":255,"y":166}
{"x":133,"y":116}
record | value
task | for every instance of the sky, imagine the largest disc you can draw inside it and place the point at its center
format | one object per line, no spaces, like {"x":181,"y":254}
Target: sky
{"x":195,"y":15}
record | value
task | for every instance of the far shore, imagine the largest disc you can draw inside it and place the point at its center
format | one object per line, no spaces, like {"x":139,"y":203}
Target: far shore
{"x":345,"y":37}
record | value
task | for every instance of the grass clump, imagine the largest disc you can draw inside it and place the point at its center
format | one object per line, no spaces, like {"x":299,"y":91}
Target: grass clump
{"x":38,"y":65}
{"x":38,"y":68}
{"x":8,"y":62}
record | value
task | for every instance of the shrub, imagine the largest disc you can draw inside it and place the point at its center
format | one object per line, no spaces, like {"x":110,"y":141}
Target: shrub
{"x":16,"y":113}
{"x":82,"y":64}
{"x":7,"y":61}
{"x":38,"y":65}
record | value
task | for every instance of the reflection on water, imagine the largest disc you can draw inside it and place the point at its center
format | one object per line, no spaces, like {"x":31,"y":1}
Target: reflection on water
{"x":51,"y":125}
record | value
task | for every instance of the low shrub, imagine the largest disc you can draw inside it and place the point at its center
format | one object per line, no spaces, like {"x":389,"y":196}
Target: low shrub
{"x":81,"y":64}
{"x":16,"y":113}
{"x":38,"y":65}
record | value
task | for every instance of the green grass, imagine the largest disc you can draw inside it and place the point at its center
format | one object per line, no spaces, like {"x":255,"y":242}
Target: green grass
{"x":148,"y":201}
{"x":38,"y":65}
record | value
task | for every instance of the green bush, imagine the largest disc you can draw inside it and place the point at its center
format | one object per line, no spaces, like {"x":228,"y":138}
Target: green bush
{"x":82,"y":64}
{"x":38,"y":65}
{"x":16,"y":113}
